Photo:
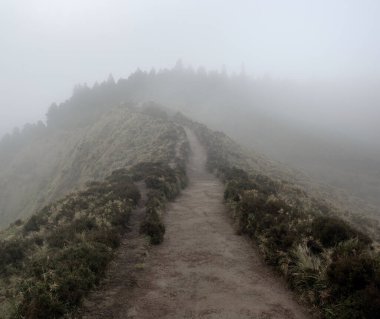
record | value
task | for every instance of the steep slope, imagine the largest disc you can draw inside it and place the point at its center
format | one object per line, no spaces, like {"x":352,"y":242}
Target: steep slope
{"x":51,"y":260}
{"x":48,"y":165}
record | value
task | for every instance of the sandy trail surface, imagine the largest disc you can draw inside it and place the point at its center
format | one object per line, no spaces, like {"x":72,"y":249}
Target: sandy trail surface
{"x":203,"y":269}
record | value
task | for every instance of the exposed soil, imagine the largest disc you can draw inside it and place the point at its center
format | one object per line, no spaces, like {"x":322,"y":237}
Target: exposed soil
{"x":203,"y":269}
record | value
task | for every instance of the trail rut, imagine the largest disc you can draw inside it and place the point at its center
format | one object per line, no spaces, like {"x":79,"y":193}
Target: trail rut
{"x":203,"y":269}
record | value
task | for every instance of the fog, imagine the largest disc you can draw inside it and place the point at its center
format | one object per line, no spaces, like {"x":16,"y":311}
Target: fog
{"x":313,"y":70}
{"x":262,"y":116}
{"x":49,"y":46}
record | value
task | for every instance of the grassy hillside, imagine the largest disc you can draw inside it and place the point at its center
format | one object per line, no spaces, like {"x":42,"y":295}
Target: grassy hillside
{"x":272,"y":117}
{"x":74,"y":183}
{"x":333,"y":266}
{"x":45,"y":163}
{"x":52,"y":259}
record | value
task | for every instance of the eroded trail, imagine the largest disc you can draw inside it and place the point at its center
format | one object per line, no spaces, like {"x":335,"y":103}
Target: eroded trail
{"x":203,"y":269}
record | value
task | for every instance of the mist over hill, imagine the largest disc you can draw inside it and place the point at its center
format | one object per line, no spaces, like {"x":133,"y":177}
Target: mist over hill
{"x":43,"y":163}
{"x":70,"y":186}
{"x":326,"y":131}
{"x":254,"y":159}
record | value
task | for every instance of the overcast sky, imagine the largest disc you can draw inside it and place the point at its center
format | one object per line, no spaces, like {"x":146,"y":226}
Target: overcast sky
{"x":47,"y":46}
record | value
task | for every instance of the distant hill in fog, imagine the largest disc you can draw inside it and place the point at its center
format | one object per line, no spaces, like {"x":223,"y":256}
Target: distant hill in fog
{"x":317,"y":128}
{"x":271,"y":117}
{"x":42,"y":164}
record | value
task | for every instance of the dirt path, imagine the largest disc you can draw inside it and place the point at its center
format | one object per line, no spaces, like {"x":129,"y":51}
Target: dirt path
{"x":203,"y":269}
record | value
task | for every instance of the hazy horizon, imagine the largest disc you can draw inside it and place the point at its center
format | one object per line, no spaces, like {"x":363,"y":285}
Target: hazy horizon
{"x":49,"y":46}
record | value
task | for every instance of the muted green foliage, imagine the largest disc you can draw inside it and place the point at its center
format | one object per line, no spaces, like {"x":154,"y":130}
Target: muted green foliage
{"x":62,"y":251}
{"x":34,"y":223}
{"x":165,"y":184}
{"x":63,"y":158}
{"x":326,"y":260}
{"x":12,"y":253}
{"x":153,"y":226}
{"x":57,"y":285}
{"x":331,"y":231}
{"x":54,"y":258}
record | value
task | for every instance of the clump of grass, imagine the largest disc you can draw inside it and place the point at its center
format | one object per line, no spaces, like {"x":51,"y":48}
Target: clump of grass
{"x":164,"y":184}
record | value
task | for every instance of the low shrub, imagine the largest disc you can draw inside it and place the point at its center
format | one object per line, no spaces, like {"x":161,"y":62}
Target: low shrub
{"x":332,"y":230}
{"x":61,"y":238}
{"x":234,"y":188}
{"x":70,"y":243}
{"x":153,"y":226}
{"x":164,"y":184}
{"x":107,"y":237}
{"x":34,"y":223}
{"x":12,"y":252}
{"x":351,"y":273}
{"x":57,"y":283}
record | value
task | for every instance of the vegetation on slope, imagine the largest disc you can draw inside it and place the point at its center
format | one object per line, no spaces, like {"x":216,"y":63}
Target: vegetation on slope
{"x":263,"y":114}
{"x":328,"y":262}
{"x":164,"y":184}
{"x":55,"y":257}
{"x":62,"y":251}
{"x":235,"y":104}
{"x":42,"y":164}
{"x":85,"y":139}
